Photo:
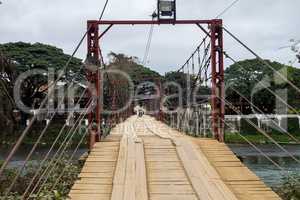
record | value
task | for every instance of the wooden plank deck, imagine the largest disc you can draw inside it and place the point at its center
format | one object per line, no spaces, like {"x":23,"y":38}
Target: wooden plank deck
{"x":144,"y":159}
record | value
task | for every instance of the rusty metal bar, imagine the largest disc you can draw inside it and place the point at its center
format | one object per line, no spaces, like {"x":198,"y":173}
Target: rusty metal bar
{"x":147,"y":22}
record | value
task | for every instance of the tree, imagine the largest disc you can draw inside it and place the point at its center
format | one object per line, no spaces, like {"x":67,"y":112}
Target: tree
{"x":253,"y":80}
{"x":28,"y":56}
{"x":182,"y":79}
{"x":7,"y":78}
{"x":38,"y":55}
{"x":137,"y":72}
{"x":128,"y":64}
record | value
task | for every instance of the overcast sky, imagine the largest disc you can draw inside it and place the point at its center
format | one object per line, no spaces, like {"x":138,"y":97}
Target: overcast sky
{"x":264,"y":25}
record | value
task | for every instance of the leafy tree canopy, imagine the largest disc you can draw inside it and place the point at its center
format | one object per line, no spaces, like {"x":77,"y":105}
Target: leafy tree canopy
{"x":137,"y":73}
{"x":27,"y":56}
{"x":253,"y":80}
{"x":38,"y":55}
{"x":130,"y":65}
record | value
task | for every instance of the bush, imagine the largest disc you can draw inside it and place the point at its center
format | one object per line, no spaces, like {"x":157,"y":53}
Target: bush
{"x":290,"y":190}
{"x":61,"y":190}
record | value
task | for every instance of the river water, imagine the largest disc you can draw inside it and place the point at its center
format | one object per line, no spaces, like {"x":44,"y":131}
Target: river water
{"x":262,"y":167}
{"x":38,"y":155}
{"x":271,"y":175}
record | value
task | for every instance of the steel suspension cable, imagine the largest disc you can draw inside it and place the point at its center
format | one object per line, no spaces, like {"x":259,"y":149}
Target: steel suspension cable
{"x":256,"y":148}
{"x":43,"y":103}
{"x":43,"y":161}
{"x":282,"y":170}
{"x":35,"y":146}
{"x":52,"y":146}
{"x":148,"y":45}
{"x":7,"y":93}
{"x":290,"y":135}
{"x":205,"y":62}
{"x":261,"y":59}
{"x":199,"y":59}
{"x":261,"y":131}
{"x":193,"y":66}
{"x":267,"y":88}
{"x":64,"y":144}
{"x":71,"y":157}
{"x":202,"y":42}
{"x":284,"y":131}
{"x":28,"y":157}
{"x":227,"y":8}
{"x":67,"y":138}
{"x":54,"y":167}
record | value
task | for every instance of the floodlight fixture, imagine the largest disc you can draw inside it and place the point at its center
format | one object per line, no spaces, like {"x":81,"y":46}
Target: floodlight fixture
{"x":166,"y":9}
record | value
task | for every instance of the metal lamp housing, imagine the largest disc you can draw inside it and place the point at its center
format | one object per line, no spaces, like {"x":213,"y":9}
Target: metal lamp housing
{"x":167,"y":8}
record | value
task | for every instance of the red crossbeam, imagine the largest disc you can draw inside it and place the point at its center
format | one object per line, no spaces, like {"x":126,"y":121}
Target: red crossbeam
{"x":145,"y":22}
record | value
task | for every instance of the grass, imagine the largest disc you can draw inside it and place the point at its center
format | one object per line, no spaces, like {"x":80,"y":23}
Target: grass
{"x":254,"y":135}
{"x":260,"y":138}
{"x":6,"y":141}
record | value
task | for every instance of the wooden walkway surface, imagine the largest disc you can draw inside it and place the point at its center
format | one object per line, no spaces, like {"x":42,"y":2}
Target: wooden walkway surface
{"x":144,"y":159}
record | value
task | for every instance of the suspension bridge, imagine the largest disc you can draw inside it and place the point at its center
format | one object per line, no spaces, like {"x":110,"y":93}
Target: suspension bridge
{"x":152,"y":157}
{"x":145,"y":159}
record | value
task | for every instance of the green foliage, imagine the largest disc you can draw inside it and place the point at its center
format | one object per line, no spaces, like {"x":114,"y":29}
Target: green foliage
{"x":7,"y":79}
{"x":60,"y":192}
{"x":182,"y":79}
{"x":235,"y":138}
{"x":137,"y":72}
{"x":290,"y":189}
{"x":38,"y":55}
{"x":19,"y":57}
{"x":255,"y":136}
{"x":28,"y":56}
{"x":178,"y":77}
{"x":244,"y":77}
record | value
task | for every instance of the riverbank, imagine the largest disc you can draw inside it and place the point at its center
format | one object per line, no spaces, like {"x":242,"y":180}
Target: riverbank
{"x":63,"y":175}
{"x":54,"y":133}
{"x":258,"y":138}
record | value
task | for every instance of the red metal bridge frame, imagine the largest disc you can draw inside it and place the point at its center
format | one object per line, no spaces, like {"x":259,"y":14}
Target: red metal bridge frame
{"x":217,"y":63}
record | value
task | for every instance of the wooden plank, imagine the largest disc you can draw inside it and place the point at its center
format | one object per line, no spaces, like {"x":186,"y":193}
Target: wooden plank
{"x":141,"y":178}
{"x":103,"y":189}
{"x":206,"y":175}
{"x":168,"y":182}
{"x":173,"y":197}
{"x":166,"y":176}
{"x":129,"y":189}
{"x":95,"y":181}
{"x":119,"y":177}
{"x":93,"y":169}
{"x":96,"y":176}
{"x":174,"y":189}
{"x":234,"y":174}
{"x":99,"y":164}
{"x":164,"y":164}
{"x":244,"y":183}
{"x":89,"y":196}
{"x":196,"y":179}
